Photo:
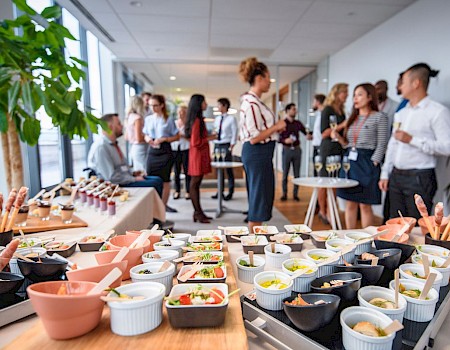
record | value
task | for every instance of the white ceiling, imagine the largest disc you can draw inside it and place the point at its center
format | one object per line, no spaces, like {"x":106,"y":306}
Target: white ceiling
{"x":201,"y":42}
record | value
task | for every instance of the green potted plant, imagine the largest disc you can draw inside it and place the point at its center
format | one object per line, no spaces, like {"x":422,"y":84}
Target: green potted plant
{"x":35,"y":73}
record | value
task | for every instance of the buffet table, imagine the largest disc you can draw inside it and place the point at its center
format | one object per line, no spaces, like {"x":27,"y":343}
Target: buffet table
{"x":229,"y":336}
{"x":271,"y":327}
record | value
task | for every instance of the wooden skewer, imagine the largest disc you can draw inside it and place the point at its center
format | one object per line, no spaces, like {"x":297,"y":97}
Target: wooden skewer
{"x":40,"y":193}
{"x":446,"y":235}
{"x":114,"y":192}
{"x":429,"y":226}
{"x":20,"y":256}
{"x":12,"y":219}
{"x":5,"y":219}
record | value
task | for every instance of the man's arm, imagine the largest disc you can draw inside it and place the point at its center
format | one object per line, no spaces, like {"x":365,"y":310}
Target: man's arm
{"x":111,"y":170}
{"x":234,"y":132}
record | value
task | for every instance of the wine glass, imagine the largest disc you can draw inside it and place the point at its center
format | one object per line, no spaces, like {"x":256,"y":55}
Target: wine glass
{"x":223,"y":153}
{"x":217,"y":154}
{"x":337,"y":160}
{"x":346,"y":166}
{"x":333,"y":124}
{"x":318,"y":165}
{"x":329,"y":165}
{"x":293,"y":138}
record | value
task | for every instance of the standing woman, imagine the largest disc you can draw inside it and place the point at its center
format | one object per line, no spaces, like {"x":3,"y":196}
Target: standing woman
{"x":334,"y":105}
{"x":134,"y":135}
{"x":181,"y":154}
{"x":258,"y":132}
{"x":199,"y":158}
{"x":160,"y":131}
{"x":365,"y":140}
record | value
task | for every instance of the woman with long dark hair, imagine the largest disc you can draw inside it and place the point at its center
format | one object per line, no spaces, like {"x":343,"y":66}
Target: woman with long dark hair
{"x":160,"y":130}
{"x":199,"y":157}
{"x":365,"y":140}
{"x":258,"y":132}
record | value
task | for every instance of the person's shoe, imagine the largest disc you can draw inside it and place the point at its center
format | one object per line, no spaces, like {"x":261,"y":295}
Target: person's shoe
{"x":283,"y":198}
{"x":228,"y":196}
{"x":176,"y":195}
{"x":201,"y":218}
{"x":296,"y":198}
{"x":187,"y":196}
{"x":245,"y":212}
{"x":246,"y":219}
{"x":215,"y":196}
{"x":171,"y":210}
{"x":324,"y":219}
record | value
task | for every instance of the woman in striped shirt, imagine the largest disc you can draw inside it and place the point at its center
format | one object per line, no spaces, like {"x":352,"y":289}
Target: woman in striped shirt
{"x":258,"y":132}
{"x":365,"y":140}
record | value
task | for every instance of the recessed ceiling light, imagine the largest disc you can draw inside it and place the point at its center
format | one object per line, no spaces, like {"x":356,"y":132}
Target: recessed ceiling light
{"x":136,"y":3}
{"x":173,"y":77}
{"x":273,"y":80}
{"x":324,"y":80}
{"x":178,"y":90}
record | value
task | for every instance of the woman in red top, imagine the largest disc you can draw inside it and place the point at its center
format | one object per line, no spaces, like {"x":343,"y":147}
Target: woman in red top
{"x":199,"y":158}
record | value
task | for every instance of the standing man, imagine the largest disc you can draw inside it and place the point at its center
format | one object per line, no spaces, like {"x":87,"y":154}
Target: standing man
{"x":422,"y":133}
{"x":226,"y":126}
{"x":386,"y":105}
{"x":317,"y":135}
{"x":292,"y":153}
{"x":146,"y":97}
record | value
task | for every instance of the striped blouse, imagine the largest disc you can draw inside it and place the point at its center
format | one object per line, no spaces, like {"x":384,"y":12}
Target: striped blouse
{"x":255,"y":117}
{"x":373,"y":134}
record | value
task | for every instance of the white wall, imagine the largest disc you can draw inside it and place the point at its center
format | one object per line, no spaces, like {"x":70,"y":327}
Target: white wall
{"x":419,"y":33}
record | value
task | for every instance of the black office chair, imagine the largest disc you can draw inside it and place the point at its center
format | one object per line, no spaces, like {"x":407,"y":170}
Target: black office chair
{"x":91,"y":172}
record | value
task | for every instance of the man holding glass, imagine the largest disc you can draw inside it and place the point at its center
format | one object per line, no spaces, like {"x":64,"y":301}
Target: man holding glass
{"x":292,"y":153}
{"x":420,"y":134}
{"x":226,"y":128}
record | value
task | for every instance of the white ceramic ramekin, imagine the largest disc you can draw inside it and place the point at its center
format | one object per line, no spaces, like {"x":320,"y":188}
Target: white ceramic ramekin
{"x":247,"y":274}
{"x":175,"y":245}
{"x":366,"y":294}
{"x":326,"y":269}
{"x":353,"y":340}
{"x":355,"y":237}
{"x":341,"y":243}
{"x":274,"y":260}
{"x":302,"y":284}
{"x":416,"y":268}
{"x":445,"y":271}
{"x":272,"y":299}
{"x":130,"y":318}
{"x":418,"y":310}
{"x":165,"y":277}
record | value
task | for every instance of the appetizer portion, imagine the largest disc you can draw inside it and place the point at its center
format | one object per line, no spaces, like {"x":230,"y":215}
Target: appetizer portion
{"x":368,"y":329}
{"x":204,"y":246}
{"x":199,"y":295}
{"x":412,"y":293}
{"x":383,"y":303}
{"x":368,"y":256}
{"x":299,"y":301}
{"x":246,"y":264}
{"x":415,"y":274}
{"x":205,"y":257}
{"x":294,"y":267}
{"x":92,"y":239}
{"x":212,"y":271}
{"x":273,"y":284}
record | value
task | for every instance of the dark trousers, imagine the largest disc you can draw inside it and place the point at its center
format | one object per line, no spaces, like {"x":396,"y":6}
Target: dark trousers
{"x":294,"y":157}
{"x":229,"y":171}
{"x":149,"y":181}
{"x":181,"y":158}
{"x":403,"y":184}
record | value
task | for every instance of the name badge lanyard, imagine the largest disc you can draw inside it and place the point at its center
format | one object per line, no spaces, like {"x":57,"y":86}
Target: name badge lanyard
{"x":353,"y":155}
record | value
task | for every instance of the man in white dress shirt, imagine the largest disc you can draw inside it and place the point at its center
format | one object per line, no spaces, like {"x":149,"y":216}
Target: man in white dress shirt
{"x":386,"y":105}
{"x":420,"y":133}
{"x":226,"y":127}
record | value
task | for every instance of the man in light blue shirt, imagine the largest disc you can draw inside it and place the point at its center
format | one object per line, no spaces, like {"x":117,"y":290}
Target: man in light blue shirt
{"x":107,"y":159}
{"x":226,"y":128}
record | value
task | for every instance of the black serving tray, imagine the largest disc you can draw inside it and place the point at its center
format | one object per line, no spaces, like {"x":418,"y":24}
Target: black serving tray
{"x":330,"y":336}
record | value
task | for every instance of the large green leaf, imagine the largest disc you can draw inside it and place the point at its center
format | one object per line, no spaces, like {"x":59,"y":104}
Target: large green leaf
{"x":3,"y":121}
{"x":13,"y":94}
{"x":23,"y":6}
{"x":52,"y":12}
{"x":27,"y":98}
{"x":31,"y":130}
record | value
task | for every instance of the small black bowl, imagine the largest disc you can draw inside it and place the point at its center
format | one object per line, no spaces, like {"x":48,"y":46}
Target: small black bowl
{"x":347,"y":291}
{"x":6,"y":237}
{"x":312,"y":317}
{"x":65,"y":253}
{"x":10,"y":283}
{"x":370,"y":274}
{"x":390,"y":261}
{"x":48,"y":270}
{"x":438,"y":242}
{"x":407,"y":250}
{"x":90,"y":247}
